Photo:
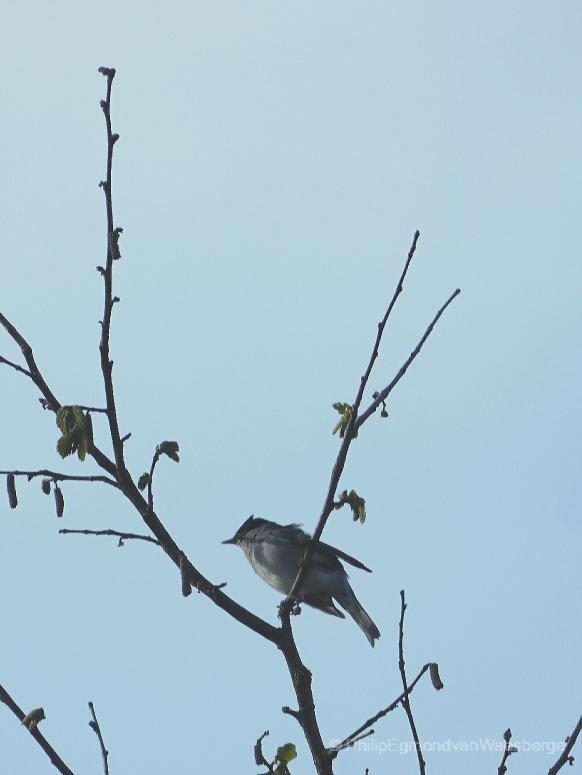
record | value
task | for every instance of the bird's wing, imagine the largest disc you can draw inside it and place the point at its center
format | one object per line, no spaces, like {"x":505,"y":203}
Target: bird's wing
{"x":323,"y":603}
{"x":343,"y":556}
{"x":295,"y":535}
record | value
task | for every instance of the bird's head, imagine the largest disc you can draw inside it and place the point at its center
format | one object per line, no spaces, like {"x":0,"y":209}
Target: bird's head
{"x":247,"y":527}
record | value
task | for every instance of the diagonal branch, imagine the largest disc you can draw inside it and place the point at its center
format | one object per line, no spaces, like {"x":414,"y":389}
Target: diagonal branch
{"x":38,"y":736}
{"x":566,"y":755}
{"x":381,"y":713}
{"x":94,"y":724}
{"x":349,"y":743}
{"x":15,"y":366}
{"x":405,"y":699}
{"x":129,"y":489}
{"x":34,"y":373}
{"x":50,"y":401}
{"x":348,"y":436}
{"x":382,"y":396}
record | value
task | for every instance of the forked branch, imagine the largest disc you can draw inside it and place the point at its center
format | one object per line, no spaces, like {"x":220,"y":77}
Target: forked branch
{"x":356,"y":421}
{"x":282,"y":637}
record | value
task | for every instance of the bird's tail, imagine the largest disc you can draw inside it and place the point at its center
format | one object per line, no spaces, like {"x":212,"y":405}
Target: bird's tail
{"x":355,"y":609}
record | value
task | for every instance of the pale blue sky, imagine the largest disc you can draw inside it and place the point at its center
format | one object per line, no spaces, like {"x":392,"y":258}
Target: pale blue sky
{"x":274,"y":162}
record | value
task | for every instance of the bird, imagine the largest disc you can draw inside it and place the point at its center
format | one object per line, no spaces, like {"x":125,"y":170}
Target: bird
{"x":274,"y":552}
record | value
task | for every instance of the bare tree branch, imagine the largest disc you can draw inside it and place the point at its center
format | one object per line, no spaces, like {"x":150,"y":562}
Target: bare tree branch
{"x":260,"y":760}
{"x":129,"y":489}
{"x":50,"y":401}
{"x":282,"y":637}
{"x":508,"y":750}
{"x":566,"y":756}
{"x":58,"y":477}
{"x":94,"y":724}
{"x":349,"y":743}
{"x":381,"y":713}
{"x":34,"y":373}
{"x":122,"y":536}
{"x":382,"y":396}
{"x":348,"y":436}
{"x":405,"y":699}
{"x":322,"y":757}
{"x":112,"y":254}
{"x":301,"y":678}
{"x":15,"y":366}
{"x":38,"y":736}
{"x":155,"y":459}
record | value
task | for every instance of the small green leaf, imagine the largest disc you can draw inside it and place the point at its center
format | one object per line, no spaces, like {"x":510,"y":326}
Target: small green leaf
{"x":286,"y":753}
{"x":77,"y":430}
{"x":65,"y":445}
{"x":62,"y":413}
{"x":355,"y":502}
{"x":46,"y":486}
{"x":169,"y":448}
{"x":143,"y":481}
{"x":83,"y":447}
{"x":345,"y":411}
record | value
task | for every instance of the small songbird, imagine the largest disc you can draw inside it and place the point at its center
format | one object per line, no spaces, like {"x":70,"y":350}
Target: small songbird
{"x":275,"y":551}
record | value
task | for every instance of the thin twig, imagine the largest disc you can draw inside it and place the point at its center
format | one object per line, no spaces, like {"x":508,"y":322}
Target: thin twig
{"x":155,"y":459}
{"x":35,"y":374}
{"x":129,"y":489}
{"x":15,"y":366}
{"x":122,"y":536}
{"x":405,"y":699}
{"x":38,"y":736}
{"x":131,"y":492}
{"x":49,"y":401}
{"x":385,"y":711}
{"x":92,"y":408}
{"x":348,"y":436}
{"x":58,"y":477}
{"x":508,"y":750}
{"x":566,"y":756}
{"x":94,"y":724}
{"x":349,"y":743}
{"x":112,"y":235}
{"x":382,"y":395}
{"x":260,"y":760}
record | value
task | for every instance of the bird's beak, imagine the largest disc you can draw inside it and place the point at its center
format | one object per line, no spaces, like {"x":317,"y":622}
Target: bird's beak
{"x":230,"y":541}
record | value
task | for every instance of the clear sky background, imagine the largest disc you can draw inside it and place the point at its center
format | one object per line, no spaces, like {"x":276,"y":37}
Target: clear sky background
{"x":274,"y":162}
